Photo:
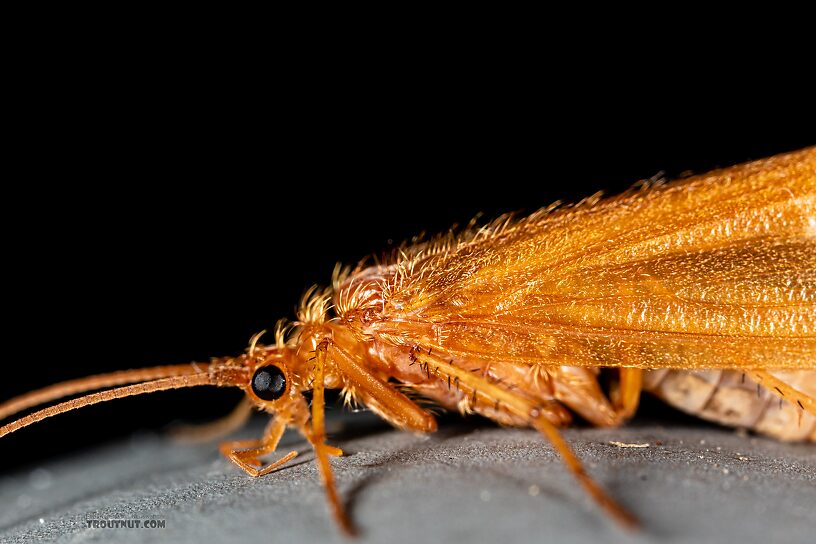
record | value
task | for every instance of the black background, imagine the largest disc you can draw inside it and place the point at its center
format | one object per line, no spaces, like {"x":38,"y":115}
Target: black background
{"x":164,"y":215}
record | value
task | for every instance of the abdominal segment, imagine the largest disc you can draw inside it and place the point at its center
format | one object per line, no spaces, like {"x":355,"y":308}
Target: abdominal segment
{"x":732,"y":398}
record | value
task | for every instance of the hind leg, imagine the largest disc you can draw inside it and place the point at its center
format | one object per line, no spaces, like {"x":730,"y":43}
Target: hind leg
{"x":480,"y":390}
{"x":784,"y":391}
{"x":626,"y":395}
{"x":793,"y":418}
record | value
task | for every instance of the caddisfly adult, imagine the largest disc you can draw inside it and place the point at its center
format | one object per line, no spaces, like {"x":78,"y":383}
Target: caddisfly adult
{"x":697,"y":290}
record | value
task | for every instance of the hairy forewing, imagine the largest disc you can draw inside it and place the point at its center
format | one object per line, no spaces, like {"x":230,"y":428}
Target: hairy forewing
{"x":714,"y":271}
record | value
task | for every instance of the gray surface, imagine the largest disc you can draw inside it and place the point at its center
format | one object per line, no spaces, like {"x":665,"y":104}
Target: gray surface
{"x":467,"y":483}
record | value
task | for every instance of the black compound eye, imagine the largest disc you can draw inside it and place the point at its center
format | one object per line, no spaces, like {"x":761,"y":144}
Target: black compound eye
{"x":269,"y":382}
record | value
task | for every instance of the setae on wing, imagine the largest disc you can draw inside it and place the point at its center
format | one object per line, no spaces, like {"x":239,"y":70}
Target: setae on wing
{"x":714,"y":271}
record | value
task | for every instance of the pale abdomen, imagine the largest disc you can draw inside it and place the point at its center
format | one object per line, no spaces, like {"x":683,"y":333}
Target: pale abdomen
{"x":731,"y":398}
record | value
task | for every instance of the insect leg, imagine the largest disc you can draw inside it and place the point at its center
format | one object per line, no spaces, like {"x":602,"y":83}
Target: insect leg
{"x":627,"y":395}
{"x":245,"y":453}
{"x":482,"y":389}
{"x":783,"y":390}
{"x":380,"y":396}
{"x":213,"y":430}
{"x":317,"y":436}
{"x":578,"y":389}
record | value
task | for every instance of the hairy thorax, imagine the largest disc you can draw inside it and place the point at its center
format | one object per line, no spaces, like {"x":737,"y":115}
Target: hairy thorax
{"x":390,"y":340}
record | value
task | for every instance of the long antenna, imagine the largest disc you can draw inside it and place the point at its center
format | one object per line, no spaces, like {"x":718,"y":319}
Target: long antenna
{"x":217,"y":375}
{"x":97,"y":381}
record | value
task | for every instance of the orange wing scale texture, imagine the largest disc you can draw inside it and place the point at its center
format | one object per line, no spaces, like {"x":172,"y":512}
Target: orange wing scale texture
{"x":714,"y":271}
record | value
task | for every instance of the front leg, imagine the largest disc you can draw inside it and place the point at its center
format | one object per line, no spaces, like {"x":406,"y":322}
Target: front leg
{"x":245,"y":453}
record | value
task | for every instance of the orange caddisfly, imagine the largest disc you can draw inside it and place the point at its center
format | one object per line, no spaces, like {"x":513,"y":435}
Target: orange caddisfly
{"x":698,"y":290}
